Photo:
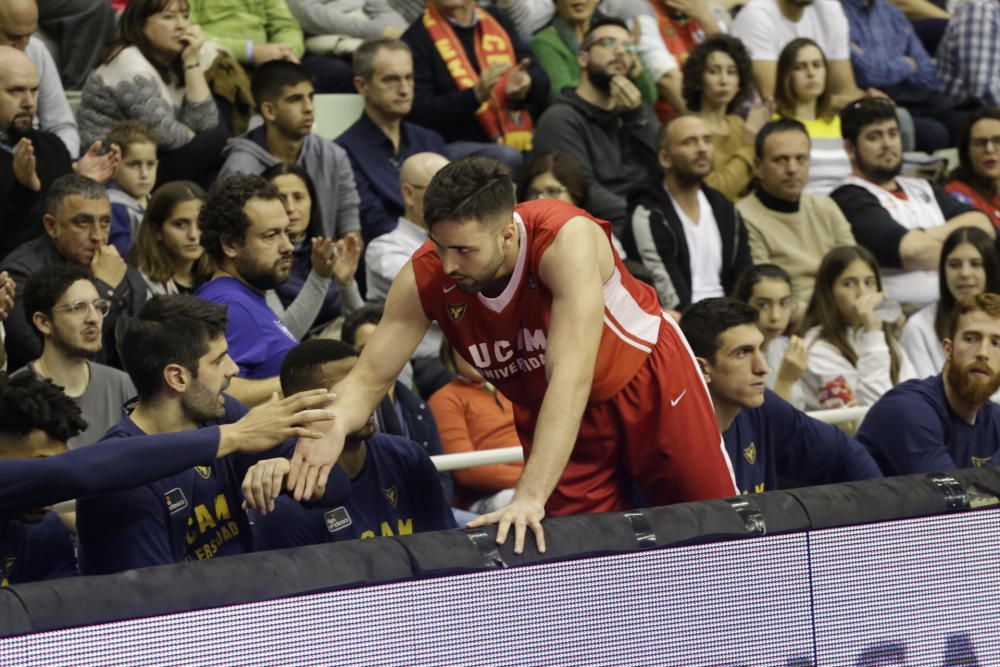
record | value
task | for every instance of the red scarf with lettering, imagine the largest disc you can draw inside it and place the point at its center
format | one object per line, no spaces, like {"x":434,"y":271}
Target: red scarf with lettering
{"x":499,"y":121}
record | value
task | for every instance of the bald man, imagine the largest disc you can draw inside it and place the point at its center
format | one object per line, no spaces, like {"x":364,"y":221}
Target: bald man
{"x":18,"y":23}
{"x":31,"y":159}
{"x":387,"y":254}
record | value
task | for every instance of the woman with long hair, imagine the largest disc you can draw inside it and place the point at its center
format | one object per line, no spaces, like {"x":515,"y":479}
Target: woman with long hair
{"x":154,"y":72}
{"x":321,"y":284}
{"x":802,"y":92}
{"x":854,"y":357}
{"x":717,"y":81}
{"x":167,"y":249}
{"x":969,"y":266}
{"x":768,"y":289}
{"x":976,"y":180}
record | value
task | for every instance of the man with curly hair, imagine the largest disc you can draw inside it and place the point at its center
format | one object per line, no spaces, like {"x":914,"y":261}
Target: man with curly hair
{"x":244,"y":229}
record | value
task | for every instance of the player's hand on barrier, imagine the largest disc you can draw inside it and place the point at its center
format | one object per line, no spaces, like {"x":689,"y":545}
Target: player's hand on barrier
{"x":314,"y":458}
{"x":521,"y":513}
{"x":263,"y":483}
{"x":273,"y":422}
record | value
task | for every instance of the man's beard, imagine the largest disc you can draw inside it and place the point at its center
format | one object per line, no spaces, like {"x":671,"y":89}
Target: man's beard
{"x":877,"y":174}
{"x":257,"y":276}
{"x":599,"y":78}
{"x":200,"y":404}
{"x":968,"y":387}
{"x":689,"y":177}
{"x":70,"y":349}
{"x":485,"y":281}
{"x":19,"y":128}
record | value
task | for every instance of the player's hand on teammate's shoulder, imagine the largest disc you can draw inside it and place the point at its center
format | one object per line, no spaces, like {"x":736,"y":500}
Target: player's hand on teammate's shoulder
{"x":269,"y":424}
{"x":521,"y":514}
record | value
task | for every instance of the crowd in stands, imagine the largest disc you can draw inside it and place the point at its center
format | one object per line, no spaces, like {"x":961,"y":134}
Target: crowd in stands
{"x":812,"y":188}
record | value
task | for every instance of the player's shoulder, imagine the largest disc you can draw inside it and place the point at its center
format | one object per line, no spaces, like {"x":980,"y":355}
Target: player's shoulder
{"x":396,"y":448}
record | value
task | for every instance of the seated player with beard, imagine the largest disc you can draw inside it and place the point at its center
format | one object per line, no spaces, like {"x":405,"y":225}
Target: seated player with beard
{"x":945,"y":421}
{"x":395,"y":489}
{"x":176,"y":354}
{"x":244,"y":228}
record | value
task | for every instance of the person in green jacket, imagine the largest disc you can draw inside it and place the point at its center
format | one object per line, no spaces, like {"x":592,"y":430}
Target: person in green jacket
{"x":556,"y":47}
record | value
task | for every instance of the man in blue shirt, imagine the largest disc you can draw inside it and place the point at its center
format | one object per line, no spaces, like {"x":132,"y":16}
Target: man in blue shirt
{"x":244,"y":229}
{"x":766,"y":438}
{"x":381,"y":141}
{"x":946,"y":421}
{"x":394,"y":485}
{"x":176,"y":353}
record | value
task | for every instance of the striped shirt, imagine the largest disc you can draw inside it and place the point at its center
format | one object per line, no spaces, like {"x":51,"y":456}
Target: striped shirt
{"x":968,"y":57}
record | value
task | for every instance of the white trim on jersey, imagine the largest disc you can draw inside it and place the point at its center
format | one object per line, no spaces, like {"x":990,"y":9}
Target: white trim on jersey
{"x":498,"y":303}
{"x":626,"y":318}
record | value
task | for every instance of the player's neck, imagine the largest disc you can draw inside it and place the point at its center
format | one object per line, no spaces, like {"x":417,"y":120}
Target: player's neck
{"x":510,"y":255}
{"x":352,"y":459}
{"x":725,"y":413}
{"x":283,"y":147}
{"x":70,"y":372}
{"x":161,"y":415}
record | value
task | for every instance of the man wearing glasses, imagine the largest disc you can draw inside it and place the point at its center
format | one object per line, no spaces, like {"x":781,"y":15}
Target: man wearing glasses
{"x":68,"y":314}
{"x":603,"y":123}
{"x":77,"y":222}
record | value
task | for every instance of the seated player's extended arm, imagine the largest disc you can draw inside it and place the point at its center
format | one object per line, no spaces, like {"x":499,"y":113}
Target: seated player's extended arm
{"x":571,"y":269}
{"x":397,"y":335}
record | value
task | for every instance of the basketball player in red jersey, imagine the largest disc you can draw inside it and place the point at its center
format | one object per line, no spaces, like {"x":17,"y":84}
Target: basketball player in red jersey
{"x":605,"y":388}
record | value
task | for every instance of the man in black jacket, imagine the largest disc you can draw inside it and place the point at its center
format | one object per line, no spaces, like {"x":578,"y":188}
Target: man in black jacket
{"x":77,"y":223}
{"x":689,"y":236}
{"x":31,"y":159}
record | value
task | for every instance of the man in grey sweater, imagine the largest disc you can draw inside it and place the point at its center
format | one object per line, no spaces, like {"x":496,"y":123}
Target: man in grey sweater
{"x":283,"y":91}
{"x":603,"y":123}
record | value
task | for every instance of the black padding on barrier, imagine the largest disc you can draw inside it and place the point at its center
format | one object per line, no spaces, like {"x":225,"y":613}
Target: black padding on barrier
{"x":572,"y":537}
{"x":696,"y":523}
{"x":452,"y":551}
{"x":645,"y":536}
{"x":13,"y":616}
{"x":224,"y":581}
{"x":874,"y":500}
{"x":748,"y":510}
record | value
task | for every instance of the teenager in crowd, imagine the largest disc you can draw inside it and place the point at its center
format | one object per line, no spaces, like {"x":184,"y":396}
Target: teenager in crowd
{"x":853,"y":355}
{"x":969,"y":266}
{"x":768,"y":289}
{"x":976,"y":180}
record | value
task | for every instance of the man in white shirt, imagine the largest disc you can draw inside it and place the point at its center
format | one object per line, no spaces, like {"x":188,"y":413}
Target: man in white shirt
{"x":18,"y":22}
{"x":766,"y":26}
{"x":387,"y":254}
{"x":689,"y":236}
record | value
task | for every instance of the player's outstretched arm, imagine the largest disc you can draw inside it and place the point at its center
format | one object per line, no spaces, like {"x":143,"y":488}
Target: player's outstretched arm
{"x":571,"y":269}
{"x":401,"y":329}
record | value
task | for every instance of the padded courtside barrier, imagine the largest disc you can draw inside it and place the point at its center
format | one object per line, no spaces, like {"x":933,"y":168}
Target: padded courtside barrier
{"x":273,"y":575}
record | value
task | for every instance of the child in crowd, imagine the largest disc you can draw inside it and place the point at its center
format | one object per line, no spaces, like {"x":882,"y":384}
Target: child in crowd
{"x":969,"y":266}
{"x":768,"y":289}
{"x":133,"y":181}
{"x":853,"y":355}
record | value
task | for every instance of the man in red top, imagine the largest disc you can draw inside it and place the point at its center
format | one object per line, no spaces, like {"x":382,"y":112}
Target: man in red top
{"x":605,"y":388}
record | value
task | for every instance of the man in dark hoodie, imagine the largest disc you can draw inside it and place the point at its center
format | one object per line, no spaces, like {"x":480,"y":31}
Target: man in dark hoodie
{"x":284,"y":93}
{"x":689,"y":236}
{"x":603,"y":123}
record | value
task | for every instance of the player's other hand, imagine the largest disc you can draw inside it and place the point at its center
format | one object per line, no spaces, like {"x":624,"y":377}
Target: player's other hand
{"x":271,"y":423}
{"x":521,"y":513}
{"x":263,"y":482}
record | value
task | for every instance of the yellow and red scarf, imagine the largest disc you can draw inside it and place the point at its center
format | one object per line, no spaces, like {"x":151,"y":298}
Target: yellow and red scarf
{"x":499,"y":121}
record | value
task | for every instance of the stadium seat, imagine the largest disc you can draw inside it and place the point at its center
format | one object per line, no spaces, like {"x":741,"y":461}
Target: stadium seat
{"x":336,"y":113}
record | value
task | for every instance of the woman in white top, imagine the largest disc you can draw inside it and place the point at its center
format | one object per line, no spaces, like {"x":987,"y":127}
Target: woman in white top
{"x":154,"y":72}
{"x":768,"y":289}
{"x":853,"y":356}
{"x":969,"y":266}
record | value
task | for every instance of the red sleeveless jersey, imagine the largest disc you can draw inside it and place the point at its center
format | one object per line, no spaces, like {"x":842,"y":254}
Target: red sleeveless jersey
{"x":505,"y":337}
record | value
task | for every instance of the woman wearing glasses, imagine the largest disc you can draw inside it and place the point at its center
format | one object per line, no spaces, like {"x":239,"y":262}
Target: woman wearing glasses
{"x":976,"y":180}
{"x":65,"y":309}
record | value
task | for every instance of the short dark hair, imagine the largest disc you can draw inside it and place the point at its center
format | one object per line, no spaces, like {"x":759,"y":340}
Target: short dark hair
{"x":661,"y":134}
{"x":697,"y":61}
{"x":601,"y":21}
{"x":363,"y":59}
{"x":301,"y":367}
{"x":169,"y":329}
{"x":779,"y":125}
{"x":28,"y":402}
{"x":743,"y":289}
{"x":473,"y":188}
{"x":564,"y":168}
{"x":129,"y":132}
{"x":370,"y":313}
{"x":72,"y":184}
{"x":863,"y":112}
{"x":46,"y":287}
{"x":222,"y":218}
{"x":270,"y":77}
{"x":704,"y":322}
